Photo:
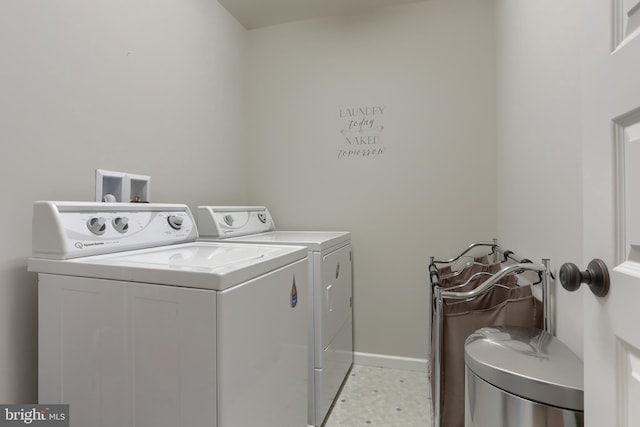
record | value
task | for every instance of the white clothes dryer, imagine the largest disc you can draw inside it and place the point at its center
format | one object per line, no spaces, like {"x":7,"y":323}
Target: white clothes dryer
{"x":330,"y":291}
{"x":141,"y":325}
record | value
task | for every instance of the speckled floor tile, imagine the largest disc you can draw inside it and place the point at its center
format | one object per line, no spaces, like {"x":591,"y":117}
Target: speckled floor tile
{"x":384,"y":397}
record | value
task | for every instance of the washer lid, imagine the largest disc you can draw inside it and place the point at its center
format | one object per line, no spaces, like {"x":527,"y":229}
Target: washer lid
{"x":316,"y":241}
{"x":196,"y":265}
{"x":529,"y":363}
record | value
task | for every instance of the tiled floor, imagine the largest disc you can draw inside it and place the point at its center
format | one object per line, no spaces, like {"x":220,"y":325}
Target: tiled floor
{"x":384,"y":397}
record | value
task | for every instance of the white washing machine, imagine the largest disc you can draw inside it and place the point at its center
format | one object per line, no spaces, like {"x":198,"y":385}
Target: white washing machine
{"x":140,"y":325}
{"x":330,"y":291}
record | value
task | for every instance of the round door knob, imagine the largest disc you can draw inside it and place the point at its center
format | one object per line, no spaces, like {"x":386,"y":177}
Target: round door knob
{"x":596,"y":276}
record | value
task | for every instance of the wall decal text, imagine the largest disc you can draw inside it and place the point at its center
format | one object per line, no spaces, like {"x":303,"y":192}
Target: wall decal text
{"x":361,"y":131}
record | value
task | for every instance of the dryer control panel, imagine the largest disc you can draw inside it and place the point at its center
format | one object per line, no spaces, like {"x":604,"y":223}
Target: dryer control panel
{"x":223,"y":222}
{"x":63,"y":230}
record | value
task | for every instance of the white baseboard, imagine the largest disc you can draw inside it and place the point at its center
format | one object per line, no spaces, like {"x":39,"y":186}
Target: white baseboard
{"x":393,"y":362}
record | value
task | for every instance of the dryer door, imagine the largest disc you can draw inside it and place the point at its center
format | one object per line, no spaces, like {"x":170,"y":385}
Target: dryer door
{"x":336,"y":298}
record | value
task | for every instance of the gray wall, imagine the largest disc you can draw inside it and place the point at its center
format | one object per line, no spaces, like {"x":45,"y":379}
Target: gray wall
{"x":539,"y":151}
{"x":148,"y":87}
{"x":431,"y":190}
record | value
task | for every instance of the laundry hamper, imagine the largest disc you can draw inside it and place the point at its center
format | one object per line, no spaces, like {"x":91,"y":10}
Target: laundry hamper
{"x":480,"y":294}
{"x":515,"y":306}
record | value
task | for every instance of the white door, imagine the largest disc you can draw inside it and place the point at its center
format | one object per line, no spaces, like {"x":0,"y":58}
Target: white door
{"x":611,"y":178}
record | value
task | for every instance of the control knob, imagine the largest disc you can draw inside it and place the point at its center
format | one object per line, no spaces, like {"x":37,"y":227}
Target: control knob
{"x":120,"y":224}
{"x":262,"y":217}
{"x":175,"y":222}
{"x":228,"y":219}
{"x":97,"y":226}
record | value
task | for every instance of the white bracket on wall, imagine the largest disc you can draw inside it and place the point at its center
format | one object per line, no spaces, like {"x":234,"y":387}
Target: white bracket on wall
{"x":122,"y":187}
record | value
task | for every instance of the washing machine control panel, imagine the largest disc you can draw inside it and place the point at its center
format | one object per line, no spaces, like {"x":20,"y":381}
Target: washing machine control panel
{"x":66,"y":230}
{"x":233,"y":221}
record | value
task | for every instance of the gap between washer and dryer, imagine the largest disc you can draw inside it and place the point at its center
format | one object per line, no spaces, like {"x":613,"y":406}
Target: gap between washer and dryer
{"x":374,"y":396}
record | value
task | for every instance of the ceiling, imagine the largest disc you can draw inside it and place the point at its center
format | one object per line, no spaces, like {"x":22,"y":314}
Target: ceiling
{"x":261,"y":13}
